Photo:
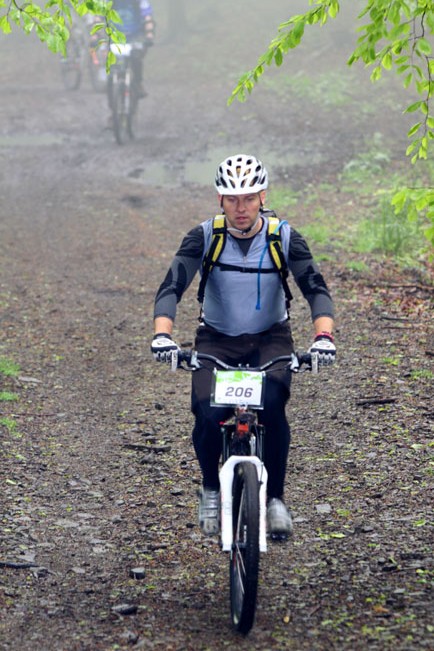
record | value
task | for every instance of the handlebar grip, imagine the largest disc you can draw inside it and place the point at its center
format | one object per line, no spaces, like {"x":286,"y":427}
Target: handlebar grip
{"x":174,"y":361}
{"x":314,"y":362}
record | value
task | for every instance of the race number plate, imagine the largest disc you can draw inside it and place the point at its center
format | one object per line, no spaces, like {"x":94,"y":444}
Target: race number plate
{"x":232,"y":388}
{"x":121,"y":49}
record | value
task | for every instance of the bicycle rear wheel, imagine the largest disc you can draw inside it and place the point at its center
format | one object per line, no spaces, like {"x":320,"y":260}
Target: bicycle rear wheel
{"x":132,"y":114}
{"x":119,"y":102}
{"x":244,"y":562}
{"x":97,"y":71}
{"x":71,"y":65}
{"x":133,"y":105}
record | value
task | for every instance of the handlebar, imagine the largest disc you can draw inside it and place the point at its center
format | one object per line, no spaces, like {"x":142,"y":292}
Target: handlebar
{"x":294,"y":362}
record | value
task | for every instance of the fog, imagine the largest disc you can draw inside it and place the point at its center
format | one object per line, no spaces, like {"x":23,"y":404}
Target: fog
{"x":201,"y":49}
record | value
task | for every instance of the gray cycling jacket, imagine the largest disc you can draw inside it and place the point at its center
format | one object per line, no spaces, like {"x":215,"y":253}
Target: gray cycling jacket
{"x":246,"y":300}
{"x":251,"y":297}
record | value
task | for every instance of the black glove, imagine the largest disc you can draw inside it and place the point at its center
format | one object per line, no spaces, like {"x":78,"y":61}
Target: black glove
{"x":162,"y":347}
{"x":324,"y":347}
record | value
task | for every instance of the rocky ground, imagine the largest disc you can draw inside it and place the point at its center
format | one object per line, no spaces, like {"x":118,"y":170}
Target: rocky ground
{"x":99,"y":543}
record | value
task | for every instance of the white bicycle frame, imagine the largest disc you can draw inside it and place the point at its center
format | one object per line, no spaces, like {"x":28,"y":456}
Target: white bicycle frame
{"x":226,"y":482}
{"x":226,"y":476}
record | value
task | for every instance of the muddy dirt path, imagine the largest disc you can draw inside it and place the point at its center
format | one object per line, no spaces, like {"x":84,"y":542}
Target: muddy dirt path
{"x":98,"y":473}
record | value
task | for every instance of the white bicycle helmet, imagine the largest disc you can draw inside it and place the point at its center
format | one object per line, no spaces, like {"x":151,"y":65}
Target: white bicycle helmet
{"x":241,"y":174}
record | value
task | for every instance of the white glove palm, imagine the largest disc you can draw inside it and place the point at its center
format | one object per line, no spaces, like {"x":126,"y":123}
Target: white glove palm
{"x":162,"y":348}
{"x":325,"y":349}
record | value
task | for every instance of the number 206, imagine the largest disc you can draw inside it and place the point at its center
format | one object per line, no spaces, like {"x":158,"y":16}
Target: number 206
{"x":239,"y":392}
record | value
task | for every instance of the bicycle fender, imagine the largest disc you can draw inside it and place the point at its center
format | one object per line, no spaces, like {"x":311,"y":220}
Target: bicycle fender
{"x":226,"y":476}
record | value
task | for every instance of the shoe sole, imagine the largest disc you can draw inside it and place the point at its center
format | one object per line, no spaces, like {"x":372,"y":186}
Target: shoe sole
{"x":209,"y":532}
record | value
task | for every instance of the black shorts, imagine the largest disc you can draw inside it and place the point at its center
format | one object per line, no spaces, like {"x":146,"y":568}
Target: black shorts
{"x":252,"y":349}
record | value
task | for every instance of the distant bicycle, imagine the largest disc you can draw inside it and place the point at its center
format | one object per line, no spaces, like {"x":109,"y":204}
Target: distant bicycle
{"x":123,"y":90}
{"x":243,"y":476}
{"x":82,"y":55}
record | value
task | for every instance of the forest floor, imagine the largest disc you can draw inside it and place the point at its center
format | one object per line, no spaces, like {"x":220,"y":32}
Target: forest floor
{"x":98,"y":474}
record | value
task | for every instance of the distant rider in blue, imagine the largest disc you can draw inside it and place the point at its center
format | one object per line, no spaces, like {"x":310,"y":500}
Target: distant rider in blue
{"x":138,"y":26}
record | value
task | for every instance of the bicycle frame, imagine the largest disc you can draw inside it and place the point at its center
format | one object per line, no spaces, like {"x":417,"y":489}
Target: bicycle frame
{"x":294,"y":363}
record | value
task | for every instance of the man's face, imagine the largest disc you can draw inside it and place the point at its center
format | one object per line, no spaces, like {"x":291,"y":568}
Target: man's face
{"x":241,"y":210}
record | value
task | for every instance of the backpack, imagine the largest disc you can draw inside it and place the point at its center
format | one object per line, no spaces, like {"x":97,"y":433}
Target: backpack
{"x":274,"y":242}
{"x":130,"y":14}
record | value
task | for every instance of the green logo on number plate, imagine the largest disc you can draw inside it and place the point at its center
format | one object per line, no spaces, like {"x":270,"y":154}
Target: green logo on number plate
{"x":238,"y":376}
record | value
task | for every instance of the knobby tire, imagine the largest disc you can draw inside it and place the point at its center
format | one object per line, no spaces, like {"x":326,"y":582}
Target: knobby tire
{"x":244,"y":562}
{"x":119,"y":106}
{"x":133,"y":103}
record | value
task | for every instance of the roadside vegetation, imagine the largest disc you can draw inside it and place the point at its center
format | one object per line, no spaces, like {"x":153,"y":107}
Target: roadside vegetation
{"x":364,"y":220}
{"x":9,"y":433}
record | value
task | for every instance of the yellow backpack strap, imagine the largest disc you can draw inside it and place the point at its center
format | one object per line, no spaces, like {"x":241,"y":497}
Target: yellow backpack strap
{"x":218,"y":240}
{"x":277,"y":255}
{"x":274,"y":243}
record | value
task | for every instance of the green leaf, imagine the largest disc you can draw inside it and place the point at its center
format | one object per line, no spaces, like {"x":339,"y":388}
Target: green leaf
{"x":334,"y":9}
{"x":278,"y":57}
{"x":96,"y":28}
{"x":414,"y":129}
{"x":386,"y":61}
{"x":111,"y":60}
{"x":376,"y":74}
{"x":423,"y":46}
{"x":401,"y":69}
{"x":410,"y":149}
{"x":407,"y":81}
{"x":413,"y":107}
{"x":5,"y":25}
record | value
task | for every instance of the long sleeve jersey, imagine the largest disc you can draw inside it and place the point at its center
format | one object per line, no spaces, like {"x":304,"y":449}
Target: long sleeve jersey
{"x":243,"y":293}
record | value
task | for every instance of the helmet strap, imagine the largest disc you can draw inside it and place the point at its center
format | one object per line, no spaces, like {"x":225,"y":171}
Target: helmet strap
{"x":247,"y":230}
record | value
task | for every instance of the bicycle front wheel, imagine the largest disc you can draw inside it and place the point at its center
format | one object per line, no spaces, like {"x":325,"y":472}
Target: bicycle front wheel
{"x":244,"y":562}
{"x":133,"y":106}
{"x":119,"y":102}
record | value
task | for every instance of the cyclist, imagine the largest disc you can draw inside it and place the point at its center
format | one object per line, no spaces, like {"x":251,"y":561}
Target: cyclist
{"x":244,"y":319}
{"x":137,"y":25}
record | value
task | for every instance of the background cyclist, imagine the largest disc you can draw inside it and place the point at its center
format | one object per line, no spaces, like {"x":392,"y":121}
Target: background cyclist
{"x":244,"y":320}
{"x":138,"y":25}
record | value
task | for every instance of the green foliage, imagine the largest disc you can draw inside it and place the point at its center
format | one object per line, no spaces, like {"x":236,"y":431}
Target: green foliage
{"x":330,"y":89}
{"x":52,"y":20}
{"x":282,"y":198}
{"x":8,"y":396}
{"x":423,"y":374}
{"x":8,"y":367}
{"x":390,"y":232}
{"x":9,"y":424}
{"x":358,"y":266}
{"x":419,"y":205}
{"x":394,"y":35}
{"x":318,"y":233}
{"x":370,"y":165}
